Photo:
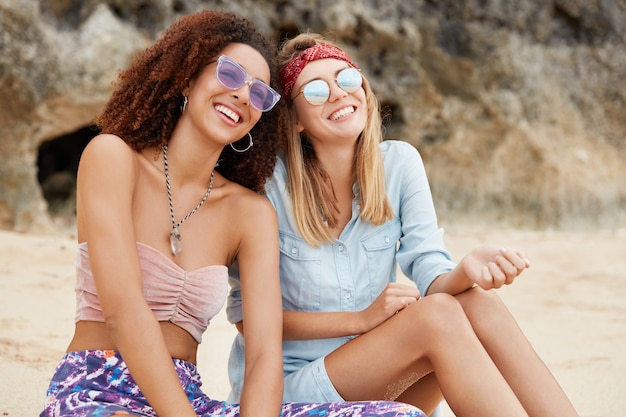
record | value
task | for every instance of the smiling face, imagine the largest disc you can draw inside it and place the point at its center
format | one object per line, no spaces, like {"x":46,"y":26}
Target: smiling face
{"x":221,"y":112}
{"x":342,"y":117}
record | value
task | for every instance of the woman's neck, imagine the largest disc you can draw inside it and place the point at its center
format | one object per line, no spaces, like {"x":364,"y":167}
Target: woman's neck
{"x":338,"y":162}
{"x":192,"y":160}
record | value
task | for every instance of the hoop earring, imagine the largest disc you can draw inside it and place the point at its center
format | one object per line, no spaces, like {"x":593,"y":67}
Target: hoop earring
{"x":243,"y":150}
{"x":182,"y":108}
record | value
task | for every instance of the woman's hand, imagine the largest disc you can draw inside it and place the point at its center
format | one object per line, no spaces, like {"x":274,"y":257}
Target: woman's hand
{"x":492,"y":267}
{"x":395,"y":297}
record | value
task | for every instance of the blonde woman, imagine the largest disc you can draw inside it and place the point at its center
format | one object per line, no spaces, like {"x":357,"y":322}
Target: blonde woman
{"x":350,"y":209}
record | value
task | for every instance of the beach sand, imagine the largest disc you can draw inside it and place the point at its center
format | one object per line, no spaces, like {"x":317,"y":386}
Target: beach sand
{"x":571,"y":304}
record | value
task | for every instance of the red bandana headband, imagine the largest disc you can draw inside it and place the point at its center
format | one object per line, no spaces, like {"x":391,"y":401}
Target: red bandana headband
{"x":291,"y":72}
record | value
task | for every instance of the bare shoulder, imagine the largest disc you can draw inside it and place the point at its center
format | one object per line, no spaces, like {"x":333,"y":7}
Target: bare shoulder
{"x":249,"y":202}
{"x":108,"y":155}
{"x":248,"y":209}
{"x":107,"y":165}
{"x":106,"y":181}
{"x":108,"y":146}
{"x":254,"y":225}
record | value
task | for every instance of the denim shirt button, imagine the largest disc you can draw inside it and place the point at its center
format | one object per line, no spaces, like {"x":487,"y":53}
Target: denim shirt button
{"x":340,"y":247}
{"x":348,"y":296}
{"x":294,"y":250}
{"x":387,"y":240}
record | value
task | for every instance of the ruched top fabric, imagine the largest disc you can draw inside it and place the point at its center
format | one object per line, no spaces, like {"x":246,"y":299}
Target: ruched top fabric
{"x":189,"y":299}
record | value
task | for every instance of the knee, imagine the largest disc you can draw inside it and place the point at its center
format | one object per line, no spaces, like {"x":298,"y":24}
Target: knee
{"x":478,"y":301}
{"x":441,"y":302}
{"x":434,"y":322}
{"x":480,"y":296}
{"x":485,"y":309}
{"x":439,"y":313}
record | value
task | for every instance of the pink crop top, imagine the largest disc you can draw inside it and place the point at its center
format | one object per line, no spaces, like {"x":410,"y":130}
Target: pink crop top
{"x":189,"y":299}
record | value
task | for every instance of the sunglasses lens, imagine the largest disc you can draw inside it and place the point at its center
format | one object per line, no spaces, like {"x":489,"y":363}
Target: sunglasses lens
{"x":230,"y":74}
{"x":262,"y":96}
{"x":349,"y":80}
{"x":316,"y":92}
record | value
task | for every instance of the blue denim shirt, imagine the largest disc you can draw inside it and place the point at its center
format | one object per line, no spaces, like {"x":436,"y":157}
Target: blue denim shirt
{"x":349,"y":274}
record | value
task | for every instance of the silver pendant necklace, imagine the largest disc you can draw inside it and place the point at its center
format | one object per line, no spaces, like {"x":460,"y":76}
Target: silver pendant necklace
{"x":176,"y":242}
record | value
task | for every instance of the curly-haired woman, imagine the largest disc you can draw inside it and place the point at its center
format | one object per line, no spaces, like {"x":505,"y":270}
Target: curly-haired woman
{"x":168,"y":198}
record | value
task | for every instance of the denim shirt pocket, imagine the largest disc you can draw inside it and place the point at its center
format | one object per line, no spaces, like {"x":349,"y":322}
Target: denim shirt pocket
{"x":300,"y":274}
{"x":380,"y":252}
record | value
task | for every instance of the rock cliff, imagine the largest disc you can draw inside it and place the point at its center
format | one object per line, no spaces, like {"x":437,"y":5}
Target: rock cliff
{"x":518,"y":108}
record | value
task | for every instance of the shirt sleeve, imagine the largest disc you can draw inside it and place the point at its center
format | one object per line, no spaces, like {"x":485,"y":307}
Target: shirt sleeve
{"x":422,"y":255}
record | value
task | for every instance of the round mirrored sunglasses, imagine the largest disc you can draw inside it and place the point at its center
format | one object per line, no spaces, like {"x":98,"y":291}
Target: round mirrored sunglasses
{"x":232,"y":75}
{"x":317,"y":92}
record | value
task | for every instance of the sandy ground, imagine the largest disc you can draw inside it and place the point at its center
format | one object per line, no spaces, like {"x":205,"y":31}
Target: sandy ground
{"x":571,"y":303}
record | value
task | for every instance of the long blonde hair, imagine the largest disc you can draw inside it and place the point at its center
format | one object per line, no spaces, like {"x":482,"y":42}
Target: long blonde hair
{"x":312,"y":194}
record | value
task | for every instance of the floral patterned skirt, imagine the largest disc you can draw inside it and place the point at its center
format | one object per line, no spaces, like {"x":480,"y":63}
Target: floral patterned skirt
{"x":97,"y":383}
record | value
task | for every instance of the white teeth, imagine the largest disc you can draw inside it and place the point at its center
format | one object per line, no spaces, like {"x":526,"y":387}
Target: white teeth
{"x":342,"y":113}
{"x":228,"y":112}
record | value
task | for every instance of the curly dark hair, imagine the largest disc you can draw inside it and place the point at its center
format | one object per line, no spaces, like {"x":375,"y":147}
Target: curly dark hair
{"x":146,"y":104}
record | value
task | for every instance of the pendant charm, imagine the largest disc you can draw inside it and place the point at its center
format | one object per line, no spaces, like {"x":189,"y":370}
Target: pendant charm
{"x":176,"y":243}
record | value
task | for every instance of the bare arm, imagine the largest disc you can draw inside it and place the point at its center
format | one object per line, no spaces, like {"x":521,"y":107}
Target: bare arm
{"x":487,"y":266}
{"x":320,"y":325}
{"x":258,"y":259}
{"x":105,"y":194}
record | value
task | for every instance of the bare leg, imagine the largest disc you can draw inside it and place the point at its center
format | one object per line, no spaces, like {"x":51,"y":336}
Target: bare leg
{"x":424,"y":394}
{"x":433,"y":333}
{"x":525,"y":372}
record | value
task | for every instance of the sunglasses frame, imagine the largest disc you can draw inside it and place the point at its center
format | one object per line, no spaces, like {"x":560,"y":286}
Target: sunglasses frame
{"x":336,"y":79}
{"x":247,"y":80}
